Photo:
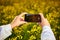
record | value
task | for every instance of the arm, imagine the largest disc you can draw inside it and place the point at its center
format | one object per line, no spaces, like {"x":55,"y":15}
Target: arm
{"x":5,"y":30}
{"x":47,"y":33}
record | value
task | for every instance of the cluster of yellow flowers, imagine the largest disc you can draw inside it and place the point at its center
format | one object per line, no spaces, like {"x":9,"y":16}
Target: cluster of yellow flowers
{"x":31,"y":31}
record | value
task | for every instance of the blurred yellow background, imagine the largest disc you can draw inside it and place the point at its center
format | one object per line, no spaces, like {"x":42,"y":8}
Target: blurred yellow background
{"x":31,"y":31}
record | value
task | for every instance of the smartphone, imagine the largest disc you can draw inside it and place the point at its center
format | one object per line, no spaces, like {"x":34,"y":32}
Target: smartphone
{"x":32,"y":18}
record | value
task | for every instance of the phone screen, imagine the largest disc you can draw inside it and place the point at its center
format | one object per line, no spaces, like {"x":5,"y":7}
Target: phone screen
{"x":32,"y":18}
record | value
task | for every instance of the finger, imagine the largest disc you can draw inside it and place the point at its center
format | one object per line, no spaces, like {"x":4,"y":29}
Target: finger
{"x":24,"y":22}
{"x":41,"y":15}
{"x":22,"y":18}
{"x":38,"y":23}
{"x":46,"y":19}
{"x":15,"y":18}
{"x":22,"y":14}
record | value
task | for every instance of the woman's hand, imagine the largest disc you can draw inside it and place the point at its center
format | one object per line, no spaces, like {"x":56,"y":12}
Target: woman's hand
{"x":18,"y":20}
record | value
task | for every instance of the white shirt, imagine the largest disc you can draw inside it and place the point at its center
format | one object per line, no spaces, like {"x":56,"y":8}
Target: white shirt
{"x":47,"y":34}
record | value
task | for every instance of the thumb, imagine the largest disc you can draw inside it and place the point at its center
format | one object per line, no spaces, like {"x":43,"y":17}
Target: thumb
{"x":42,"y":16}
{"x":24,"y":22}
{"x":22,"y":14}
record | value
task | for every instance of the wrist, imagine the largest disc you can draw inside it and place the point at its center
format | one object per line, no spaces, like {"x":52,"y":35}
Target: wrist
{"x":46,"y":28}
{"x":12,"y":26}
{"x":46,"y":25}
{"x":8,"y":27}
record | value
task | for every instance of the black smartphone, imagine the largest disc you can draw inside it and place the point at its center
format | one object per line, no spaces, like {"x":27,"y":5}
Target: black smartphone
{"x":32,"y":18}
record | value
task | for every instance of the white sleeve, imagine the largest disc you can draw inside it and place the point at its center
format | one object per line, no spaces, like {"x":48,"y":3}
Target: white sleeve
{"x":5,"y":31}
{"x":47,"y":34}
